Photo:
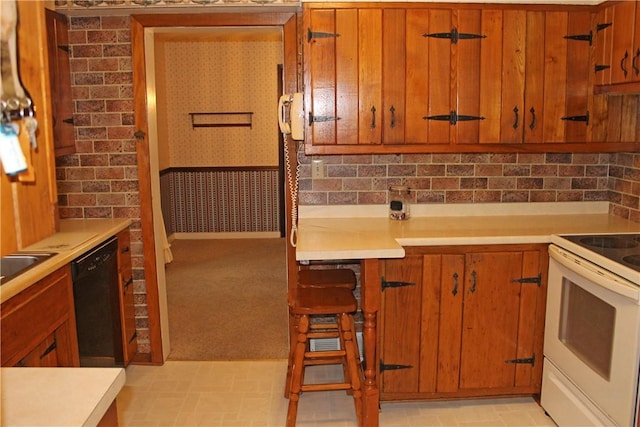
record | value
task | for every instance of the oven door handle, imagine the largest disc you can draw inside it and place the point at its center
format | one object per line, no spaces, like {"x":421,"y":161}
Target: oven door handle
{"x":597,"y":275}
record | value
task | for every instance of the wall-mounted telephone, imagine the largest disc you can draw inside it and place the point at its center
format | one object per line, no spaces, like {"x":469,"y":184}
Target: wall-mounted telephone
{"x":295,"y":126}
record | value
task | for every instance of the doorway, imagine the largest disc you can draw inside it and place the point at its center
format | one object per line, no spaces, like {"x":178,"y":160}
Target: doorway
{"x":146,"y":131}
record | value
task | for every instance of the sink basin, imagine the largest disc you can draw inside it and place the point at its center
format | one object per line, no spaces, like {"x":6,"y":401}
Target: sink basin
{"x":11,"y":266}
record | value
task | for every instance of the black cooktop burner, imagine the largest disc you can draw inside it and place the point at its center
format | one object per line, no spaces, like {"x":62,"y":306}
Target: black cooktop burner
{"x":633,"y":260}
{"x":622,"y":248}
{"x":610,"y":242}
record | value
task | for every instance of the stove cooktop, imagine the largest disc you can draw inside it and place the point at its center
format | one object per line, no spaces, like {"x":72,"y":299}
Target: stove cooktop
{"x":621,"y":248}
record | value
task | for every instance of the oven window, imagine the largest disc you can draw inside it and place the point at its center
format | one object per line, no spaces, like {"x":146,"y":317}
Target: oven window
{"x":586,"y":327}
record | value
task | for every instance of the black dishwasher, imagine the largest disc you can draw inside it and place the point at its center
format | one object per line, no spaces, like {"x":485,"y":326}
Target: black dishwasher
{"x":97,"y":302}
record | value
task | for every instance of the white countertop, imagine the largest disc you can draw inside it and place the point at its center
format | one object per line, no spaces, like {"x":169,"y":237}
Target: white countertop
{"x":324,"y":235}
{"x":51,"y":397}
{"x":76,"y":236}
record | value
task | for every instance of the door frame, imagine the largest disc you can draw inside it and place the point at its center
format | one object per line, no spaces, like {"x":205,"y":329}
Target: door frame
{"x":289,"y":22}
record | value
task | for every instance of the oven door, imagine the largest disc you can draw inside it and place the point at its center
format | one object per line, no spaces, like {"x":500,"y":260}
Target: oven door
{"x":592,"y":333}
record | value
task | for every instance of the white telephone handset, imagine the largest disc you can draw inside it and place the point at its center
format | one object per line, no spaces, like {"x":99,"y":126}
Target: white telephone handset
{"x":296,"y":115}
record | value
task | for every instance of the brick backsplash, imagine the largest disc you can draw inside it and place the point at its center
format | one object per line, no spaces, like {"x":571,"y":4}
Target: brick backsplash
{"x":478,"y":178}
{"x":101,"y":181}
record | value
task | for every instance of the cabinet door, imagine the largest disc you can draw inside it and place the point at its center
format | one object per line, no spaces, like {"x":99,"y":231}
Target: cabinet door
{"x":29,"y":202}
{"x":400,"y":335}
{"x":369,"y":76}
{"x":127,"y":299}
{"x":465,"y":95}
{"x":395,"y":32}
{"x":490,"y":320}
{"x":38,"y":318}
{"x":579,"y":90}
{"x":331,"y":78}
{"x":525,"y":94}
{"x":635,"y":63}
{"x":60,"y":74}
{"x":450,"y":281}
{"x":502,"y":74}
{"x":622,"y":39}
{"x":44,"y":354}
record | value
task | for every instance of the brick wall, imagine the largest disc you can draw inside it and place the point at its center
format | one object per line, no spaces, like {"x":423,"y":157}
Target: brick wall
{"x":100,"y":180}
{"x":479,"y":178}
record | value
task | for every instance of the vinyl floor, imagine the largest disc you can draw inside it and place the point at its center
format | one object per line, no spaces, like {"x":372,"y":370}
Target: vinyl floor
{"x":250,"y":394}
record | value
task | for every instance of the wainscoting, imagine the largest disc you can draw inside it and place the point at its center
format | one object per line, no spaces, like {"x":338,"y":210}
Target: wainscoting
{"x":221,"y":200}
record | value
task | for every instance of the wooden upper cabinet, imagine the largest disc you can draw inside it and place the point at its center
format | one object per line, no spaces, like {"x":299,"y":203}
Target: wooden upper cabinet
{"x":624,"y":61}
{"x":349,"y":102}
{"x":60,"y":72}
{"x":382,"y":78}
{"x":29,"y":200}
{"x":527,"y":94}
{"x":618,"y":47}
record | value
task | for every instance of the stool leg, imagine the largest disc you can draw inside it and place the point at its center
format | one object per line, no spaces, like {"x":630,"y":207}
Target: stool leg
{"x":293,"y":338}
{"x":348,"y":329}
{"x":297,"y":370}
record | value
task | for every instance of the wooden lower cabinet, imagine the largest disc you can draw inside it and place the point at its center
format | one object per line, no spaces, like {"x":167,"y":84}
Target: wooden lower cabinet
{"x":38,"y":326}
{"x":127,"y":301}
{"x":463,"y":321}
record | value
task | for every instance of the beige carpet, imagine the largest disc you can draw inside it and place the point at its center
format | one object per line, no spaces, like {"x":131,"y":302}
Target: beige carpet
{"x":227,"y":299}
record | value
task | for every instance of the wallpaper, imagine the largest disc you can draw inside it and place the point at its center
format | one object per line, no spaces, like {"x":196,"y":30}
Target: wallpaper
{"x":220,"y":76}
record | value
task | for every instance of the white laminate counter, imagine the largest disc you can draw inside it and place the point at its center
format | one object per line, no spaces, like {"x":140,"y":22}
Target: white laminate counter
{"x":50,"y":397}
{"x":76,"y":236}
{"x":359,"y":236}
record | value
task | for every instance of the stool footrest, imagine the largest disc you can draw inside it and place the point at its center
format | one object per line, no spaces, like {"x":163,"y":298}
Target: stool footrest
{"x":324,"y":334}
{"x":328,"y":361}
{"x":325,"y":387}
{"x":323,"y":326}
{"x":324,"y":354}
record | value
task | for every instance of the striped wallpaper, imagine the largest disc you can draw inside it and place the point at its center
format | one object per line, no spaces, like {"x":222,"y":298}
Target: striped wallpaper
{"x":216,"y":200}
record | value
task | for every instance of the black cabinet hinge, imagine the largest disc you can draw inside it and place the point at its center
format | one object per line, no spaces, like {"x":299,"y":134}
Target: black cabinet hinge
{"x":319,"y":119}
{"x":392,"y":367}
{"x":394,"y":284}
{"x":584,"y":118}
{"x":529,"y":360}
{"x":64,"y":48}
{"x":133,"y":337}
{"x":537,"y":280}
{"x":601,"y":27}
{"x":454,"y":35}
{"x":599,"y":68}
{"x":582,"y":37}
{"x":68,"y":121}
{"x":453,"y":117}
{"x":319,"y":35}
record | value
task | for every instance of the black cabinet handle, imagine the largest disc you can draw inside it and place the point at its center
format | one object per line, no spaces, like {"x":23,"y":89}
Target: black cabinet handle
{"x":474,"y":281}
{"x":454,"y":292}
{"x":634,"y":64}
{"x":373,"y":117}
{"x":393,"y":116}
{"x":49,"y":349}
{"x":517,"y":117}
{"x":532,"y":125}
{"x":623,"y":63}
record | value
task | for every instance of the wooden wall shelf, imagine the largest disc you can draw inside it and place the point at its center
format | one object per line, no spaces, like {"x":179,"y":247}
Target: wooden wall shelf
{"x":224,"y":119}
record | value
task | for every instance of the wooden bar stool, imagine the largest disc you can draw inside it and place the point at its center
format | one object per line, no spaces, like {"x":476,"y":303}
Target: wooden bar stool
{"x":338,"y":302}
{"x":321,"y":278}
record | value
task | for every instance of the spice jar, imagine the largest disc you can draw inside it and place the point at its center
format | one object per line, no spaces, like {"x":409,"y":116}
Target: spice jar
{"x":399,"y":202}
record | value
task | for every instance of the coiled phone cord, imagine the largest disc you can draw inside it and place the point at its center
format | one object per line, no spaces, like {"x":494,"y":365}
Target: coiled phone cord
{"x":293,"y":186}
